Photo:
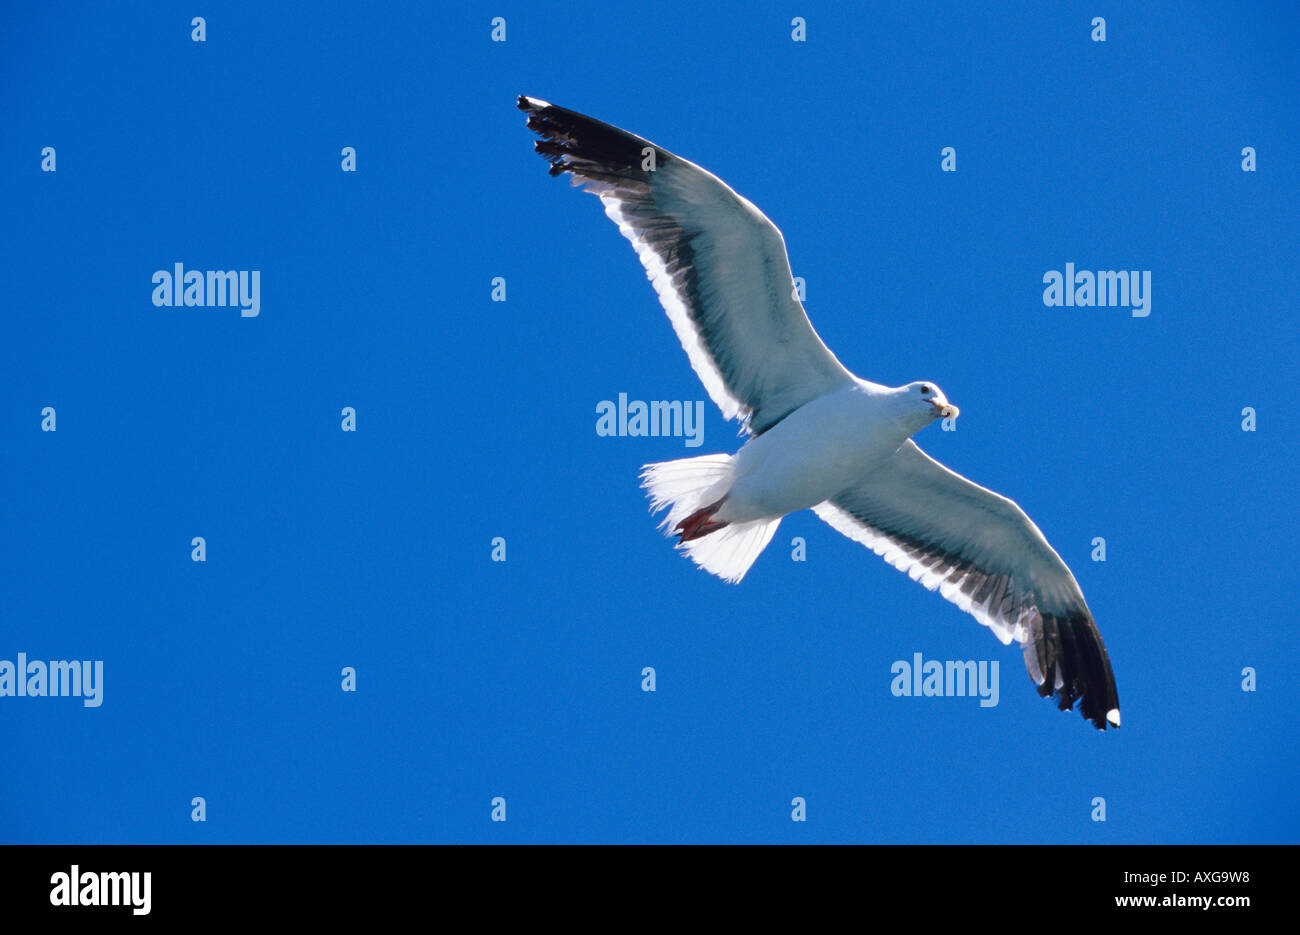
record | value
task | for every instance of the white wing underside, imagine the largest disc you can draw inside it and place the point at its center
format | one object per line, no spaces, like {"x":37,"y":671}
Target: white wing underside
{"x":974,"y":532}
{"x":718,"y":265}
{"x":981,"y":552}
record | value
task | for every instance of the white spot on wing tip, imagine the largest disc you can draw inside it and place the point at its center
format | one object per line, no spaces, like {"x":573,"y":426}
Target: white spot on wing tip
{"x":1113,"y":716}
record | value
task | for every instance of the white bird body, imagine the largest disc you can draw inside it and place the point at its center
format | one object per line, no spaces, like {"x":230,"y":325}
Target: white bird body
{"x":822,"y":448}
{"x":822,"y":438}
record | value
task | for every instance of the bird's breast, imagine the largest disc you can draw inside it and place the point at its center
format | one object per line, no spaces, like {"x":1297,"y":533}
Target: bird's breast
{"x":811,"y":455}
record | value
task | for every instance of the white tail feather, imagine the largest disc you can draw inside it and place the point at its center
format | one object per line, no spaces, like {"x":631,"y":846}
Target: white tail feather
{"x":691,"y":484}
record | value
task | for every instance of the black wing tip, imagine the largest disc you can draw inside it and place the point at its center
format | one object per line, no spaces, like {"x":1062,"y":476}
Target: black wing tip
{"x":588,"y":148}
{"x":1073,"y":647}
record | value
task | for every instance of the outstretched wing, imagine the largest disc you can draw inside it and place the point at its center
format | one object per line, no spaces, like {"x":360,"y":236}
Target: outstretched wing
{"x":984,"y":554}
{"x":718,"y":264}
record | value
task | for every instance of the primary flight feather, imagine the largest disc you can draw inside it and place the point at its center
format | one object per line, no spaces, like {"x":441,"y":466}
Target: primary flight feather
{"x":821,"y":438}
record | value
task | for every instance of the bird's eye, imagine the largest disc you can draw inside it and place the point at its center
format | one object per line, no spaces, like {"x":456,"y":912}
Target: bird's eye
{"x":925,"y":388}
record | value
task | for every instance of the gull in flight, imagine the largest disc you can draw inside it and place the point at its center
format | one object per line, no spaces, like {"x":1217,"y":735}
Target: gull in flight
{"x":820,"y":437}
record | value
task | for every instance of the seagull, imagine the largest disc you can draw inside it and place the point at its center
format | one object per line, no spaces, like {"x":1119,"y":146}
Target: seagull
{"x":820,"y":438}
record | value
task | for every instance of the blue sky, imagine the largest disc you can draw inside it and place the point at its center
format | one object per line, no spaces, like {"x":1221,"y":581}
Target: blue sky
{"x":476,"y":419}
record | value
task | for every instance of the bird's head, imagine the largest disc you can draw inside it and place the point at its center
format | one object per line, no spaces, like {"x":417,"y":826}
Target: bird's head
{"x":923,"y":402}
